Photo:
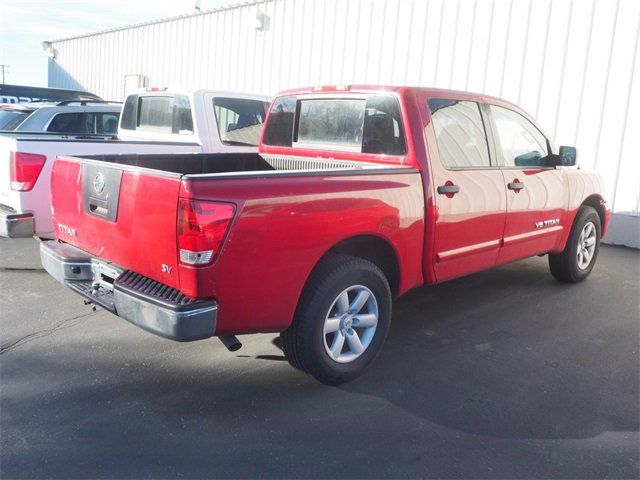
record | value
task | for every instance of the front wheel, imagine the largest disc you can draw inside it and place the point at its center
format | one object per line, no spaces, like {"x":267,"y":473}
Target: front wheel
{"x":576,"y":261}
{"x":341,"y":321}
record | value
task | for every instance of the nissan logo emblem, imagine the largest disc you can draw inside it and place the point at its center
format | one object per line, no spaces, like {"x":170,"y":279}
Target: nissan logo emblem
{"x":98,"y":183}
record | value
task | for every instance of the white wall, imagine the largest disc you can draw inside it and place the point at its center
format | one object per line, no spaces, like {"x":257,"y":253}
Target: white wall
{"x":573,"y":64}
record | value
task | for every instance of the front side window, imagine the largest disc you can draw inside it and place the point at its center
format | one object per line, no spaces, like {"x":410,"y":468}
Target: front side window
{"x":66,"y":123}
{"x":460,"y":134}
{"x":520,"y":143}
{"x":371,"y":125}
{"x":239,"y":120}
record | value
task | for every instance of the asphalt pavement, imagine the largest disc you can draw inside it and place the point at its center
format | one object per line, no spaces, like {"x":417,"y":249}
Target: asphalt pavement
{"x":503,"y":374}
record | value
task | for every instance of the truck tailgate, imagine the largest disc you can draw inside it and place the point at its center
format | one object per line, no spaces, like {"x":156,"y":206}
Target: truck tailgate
{"x":121,"y":215}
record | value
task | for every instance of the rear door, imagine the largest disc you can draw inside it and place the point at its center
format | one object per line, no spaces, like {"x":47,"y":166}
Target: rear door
{"x":470,"y":205}
{"x":123,"y":215}
{"x":535,"y":193}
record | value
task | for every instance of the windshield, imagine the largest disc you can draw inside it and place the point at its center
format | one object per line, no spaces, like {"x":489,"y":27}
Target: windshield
{"x":10,"y":119}
{"x":239,"y":120}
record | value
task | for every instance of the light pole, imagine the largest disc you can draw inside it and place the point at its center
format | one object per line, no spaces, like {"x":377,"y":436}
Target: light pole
{"x":4,"y":68}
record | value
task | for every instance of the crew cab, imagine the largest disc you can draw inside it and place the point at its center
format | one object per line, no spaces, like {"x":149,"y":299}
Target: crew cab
{"x":154,"y":121}
{"x":357,"y":195}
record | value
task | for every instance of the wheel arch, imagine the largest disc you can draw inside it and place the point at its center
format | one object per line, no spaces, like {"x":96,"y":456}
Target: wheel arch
{"x":597,"y":203}
{"x":372,"y":248}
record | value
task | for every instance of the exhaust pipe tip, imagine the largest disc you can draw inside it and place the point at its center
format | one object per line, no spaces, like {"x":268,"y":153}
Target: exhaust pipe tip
{"x":231,"y":342}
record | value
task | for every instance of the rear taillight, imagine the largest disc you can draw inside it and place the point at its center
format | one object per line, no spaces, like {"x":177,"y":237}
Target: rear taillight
{"x":202,"y":227}
{"x":25,"y":169}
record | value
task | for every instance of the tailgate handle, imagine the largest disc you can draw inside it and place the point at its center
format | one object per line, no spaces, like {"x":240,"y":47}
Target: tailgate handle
{"x":101,"y":190}
{"x":98,"y":206}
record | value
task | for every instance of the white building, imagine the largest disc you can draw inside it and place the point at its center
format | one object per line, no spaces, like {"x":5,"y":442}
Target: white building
{"x":572,"y":64}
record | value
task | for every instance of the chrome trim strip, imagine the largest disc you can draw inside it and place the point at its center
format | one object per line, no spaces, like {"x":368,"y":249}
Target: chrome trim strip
{"x":468,"y":250}
{"x":523,"y":237}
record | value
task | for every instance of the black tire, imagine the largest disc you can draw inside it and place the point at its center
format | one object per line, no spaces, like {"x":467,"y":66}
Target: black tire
{"x":565,"y":266}
{"x":304,"y":343}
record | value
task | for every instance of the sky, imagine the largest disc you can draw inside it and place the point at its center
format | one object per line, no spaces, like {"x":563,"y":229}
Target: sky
{"x":25,"y":24}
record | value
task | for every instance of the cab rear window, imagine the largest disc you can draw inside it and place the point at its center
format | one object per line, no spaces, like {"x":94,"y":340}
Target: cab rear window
{"x":367,"y":125}
{"x":161,"y":114}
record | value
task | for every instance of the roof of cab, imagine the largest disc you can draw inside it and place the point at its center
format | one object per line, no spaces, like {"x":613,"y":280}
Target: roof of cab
{"x":404,"y":90}
{"x":310,"y":90}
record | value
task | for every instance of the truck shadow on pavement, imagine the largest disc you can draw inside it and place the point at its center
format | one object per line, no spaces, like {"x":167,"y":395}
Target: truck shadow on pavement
{"x":508,"y":354}
{"x":512,"y":353}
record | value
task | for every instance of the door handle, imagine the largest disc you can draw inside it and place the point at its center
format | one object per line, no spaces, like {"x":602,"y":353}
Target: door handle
{"x":448,"y":189}
{"x":515,"y":185}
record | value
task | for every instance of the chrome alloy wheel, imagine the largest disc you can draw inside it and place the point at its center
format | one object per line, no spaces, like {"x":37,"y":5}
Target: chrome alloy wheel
{"x":586,"y":245}
{"x":350,"y":324}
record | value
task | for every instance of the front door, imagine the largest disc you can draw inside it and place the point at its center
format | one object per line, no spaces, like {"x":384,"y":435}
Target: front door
{"x":469,"y":194}
{"x":534,"y":191}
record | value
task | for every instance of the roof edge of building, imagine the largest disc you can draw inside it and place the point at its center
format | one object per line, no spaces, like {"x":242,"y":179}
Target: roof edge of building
{"x":246,"y":3}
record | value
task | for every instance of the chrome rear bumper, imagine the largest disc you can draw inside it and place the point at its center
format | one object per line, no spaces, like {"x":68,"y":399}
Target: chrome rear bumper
{"x":150,"y":305}
{"x":15,"y":224}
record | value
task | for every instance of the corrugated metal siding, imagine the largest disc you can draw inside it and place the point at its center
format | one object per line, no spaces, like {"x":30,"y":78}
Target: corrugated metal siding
{"x":573,"y":64}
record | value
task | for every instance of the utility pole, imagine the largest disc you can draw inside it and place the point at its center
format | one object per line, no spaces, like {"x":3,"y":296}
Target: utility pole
{"x":4,"y":67}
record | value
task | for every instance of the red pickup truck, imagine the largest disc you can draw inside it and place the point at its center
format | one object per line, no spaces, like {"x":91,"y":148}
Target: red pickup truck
{"x":357,"y":195}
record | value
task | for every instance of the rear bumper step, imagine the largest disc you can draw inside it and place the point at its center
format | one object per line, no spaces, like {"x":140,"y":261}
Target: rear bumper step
{"x":150,"y":305}
{"x":15,"y":224}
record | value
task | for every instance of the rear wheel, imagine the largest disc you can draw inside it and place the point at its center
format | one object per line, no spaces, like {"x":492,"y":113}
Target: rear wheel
{"x":341,"y":321}
{"x":576,"y":261}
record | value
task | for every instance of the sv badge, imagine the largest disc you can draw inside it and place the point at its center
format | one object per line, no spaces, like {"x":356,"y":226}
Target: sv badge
{"x":166,"y":268}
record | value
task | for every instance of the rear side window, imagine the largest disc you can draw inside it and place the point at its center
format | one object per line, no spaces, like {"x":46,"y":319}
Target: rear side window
{"x":101,"y":123}
{"x":460,"y":133}
{"x":239,"y":120}
{"x":371,"y":125}
{"x":66,"y":123}
{"x":10,"y":119}
{"x":521,"y":143}
{"x":161,"y":114}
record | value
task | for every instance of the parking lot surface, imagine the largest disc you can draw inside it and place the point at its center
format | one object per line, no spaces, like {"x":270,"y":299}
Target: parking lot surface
{"x":502,"y":374}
